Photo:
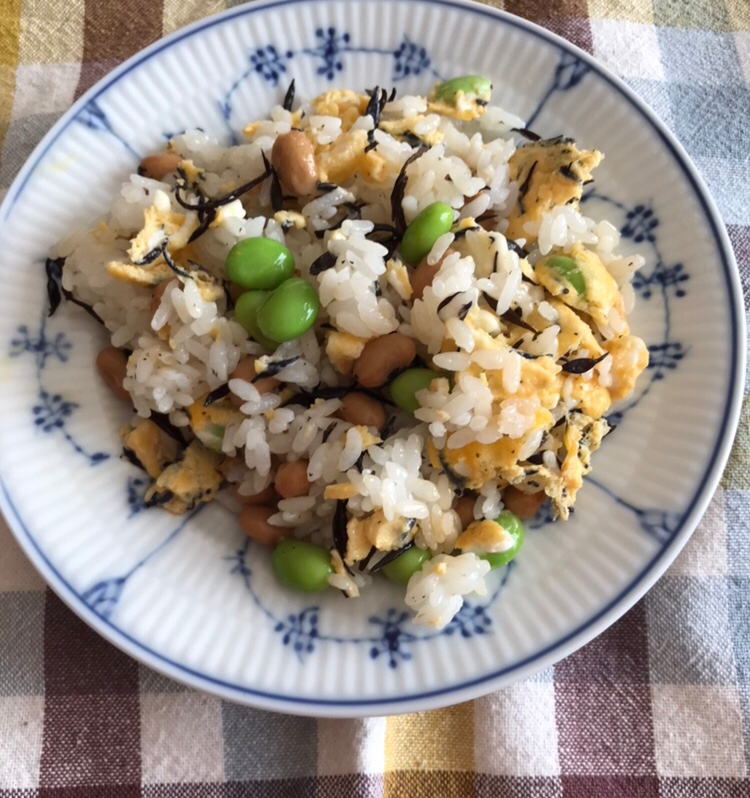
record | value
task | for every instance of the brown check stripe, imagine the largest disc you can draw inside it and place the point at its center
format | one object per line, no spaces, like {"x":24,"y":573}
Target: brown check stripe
{"x":659,"y":705}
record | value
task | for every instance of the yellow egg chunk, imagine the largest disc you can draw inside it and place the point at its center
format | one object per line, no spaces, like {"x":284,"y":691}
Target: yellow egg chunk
{"x":192,"y":172}
{"x":550,"y":172}
{"x":160,"y":225}
{"x":341,"y":490}
{"x":345,"y":104}
{"x":140,"y":275}
{"x":601,"y":294}
{"x":583,"y":435}
{"x":479,"y":462}
{"x":486,"y":536}
{"x":629,"y":358}
{"x":466,"y":107}
{"x":188,"y":482}
{"x":153,"y":449}
{"x":347,"y":156}
{"x":398,"y":127}
{"x":375,"y":530}
{"x":574,"y":332}
{"x":343,"y":349}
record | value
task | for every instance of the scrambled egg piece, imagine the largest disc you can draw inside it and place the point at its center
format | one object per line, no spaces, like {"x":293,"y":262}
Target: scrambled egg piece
{"x":159,"y":228}
{"x":140,"y":275}
{"x":151,"y":447}
{"x":629,"y":358}
{"x":374,"y":530}
{"x":351,"y":589}
{"x":175,"y":228}
{"x":574,"y":333}
{"x":601,"y":293}
{"x":550,"y":172}
{"x":289,"y":219}
{"x":484,"y":536}
{"x":343,"y":349}
{"x":341,"y":490}
{"x":398,"y":277}
{"x":339,"y":161}
{"x":193,"y":480}
{"x":192,"y":172}
{"x":583,"y":435}
{"x":398,"y":127}
{"x":345,"y":104}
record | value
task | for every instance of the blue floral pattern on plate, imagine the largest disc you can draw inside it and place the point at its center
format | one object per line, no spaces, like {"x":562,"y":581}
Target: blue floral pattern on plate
{"x":328,"y":54}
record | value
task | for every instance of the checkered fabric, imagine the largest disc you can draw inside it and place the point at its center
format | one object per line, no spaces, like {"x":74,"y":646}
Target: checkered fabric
{"x":657,"y":706}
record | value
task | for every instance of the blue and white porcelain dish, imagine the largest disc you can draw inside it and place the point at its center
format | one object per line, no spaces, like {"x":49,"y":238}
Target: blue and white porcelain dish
{"x":192,"y":597}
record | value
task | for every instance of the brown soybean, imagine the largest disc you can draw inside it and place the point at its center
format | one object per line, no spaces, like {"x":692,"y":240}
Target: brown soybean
{"x":362,"y":410}
{"x":113,"y":366}
{"x":254,"y":523}
{"x":465,"y":509}
{"x":245,"y":370}
{"x":425,"y":273}
{"x":524,"y":505}
{"x":158,"y":166}
{"x":266,"y":497}
{"x":381,"y":357}
{"x":291,"y":479}
{"x":293,"y":158}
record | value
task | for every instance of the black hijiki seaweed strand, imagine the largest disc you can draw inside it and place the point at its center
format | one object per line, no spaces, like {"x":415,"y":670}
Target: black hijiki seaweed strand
{"x":132,"y":458}
{"x":338,"y":528}
{"x":524,"y":187}
{"x":56,"y":293}
{"x":218,"y":393}
{"x":568,"y":173}
{"x":582,"y":365}
{"x":513,"y":246}
{"x":289,"y":97}
{"x":277,"y":196}
{"x":513,"y":316}
{"x":165,"y":425}
{"x":362,"y":564}
{"x":321,"y":264}
{"x":378,"y":99}
{"x":273,"y":368}
{"x":445,"y":302}
{"x":390,"y":556}
{"x":458,"y":482}
{"x":172,"y":265}
{"x":399,"y":189}
{"x":216,"y":202}
{"x":526,"y":133}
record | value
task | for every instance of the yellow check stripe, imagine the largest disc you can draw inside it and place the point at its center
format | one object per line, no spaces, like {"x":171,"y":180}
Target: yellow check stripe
{"x":10,"y":31}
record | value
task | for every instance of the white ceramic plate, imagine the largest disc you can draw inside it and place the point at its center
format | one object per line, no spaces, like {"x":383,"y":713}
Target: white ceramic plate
{"x":191,"y":598}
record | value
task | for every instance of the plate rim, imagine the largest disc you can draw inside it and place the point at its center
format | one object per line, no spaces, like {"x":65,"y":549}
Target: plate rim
{"x":582,"y":634}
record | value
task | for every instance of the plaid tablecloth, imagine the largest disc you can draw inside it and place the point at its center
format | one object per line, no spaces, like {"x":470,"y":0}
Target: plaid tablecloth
{"x":659,"y":705}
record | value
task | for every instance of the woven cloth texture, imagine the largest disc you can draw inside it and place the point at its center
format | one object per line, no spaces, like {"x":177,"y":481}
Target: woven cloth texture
{"x":659,"y":705}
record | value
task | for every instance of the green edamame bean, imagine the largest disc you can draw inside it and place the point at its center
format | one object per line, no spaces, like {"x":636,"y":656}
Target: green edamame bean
{"x":301,"y":565}
{"x":569,"y":270}
{"x":428,"y":225}
{"x":404,"y":388}
{"x":290,"y":310}
{"x":406,"y":565}
{"x":259,"y":263}
{"x":246,"y":313}
{"x":470,"y":85}
{"x":511,"y":523}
